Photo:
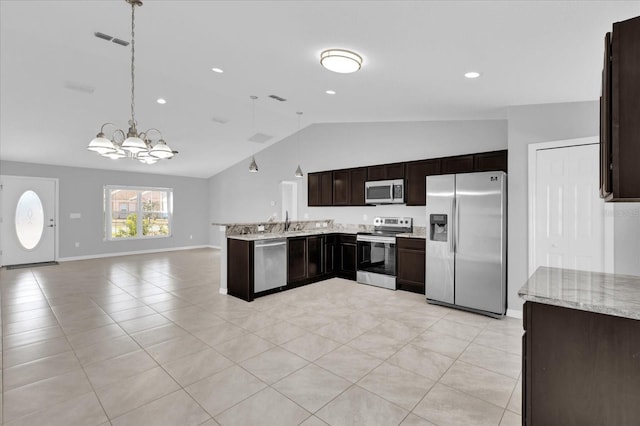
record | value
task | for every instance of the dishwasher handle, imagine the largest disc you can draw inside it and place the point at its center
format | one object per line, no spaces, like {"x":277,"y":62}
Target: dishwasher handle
{"x":260,"y":244}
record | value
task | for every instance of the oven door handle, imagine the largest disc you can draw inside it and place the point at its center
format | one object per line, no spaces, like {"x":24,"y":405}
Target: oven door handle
{"x":375,"y":239}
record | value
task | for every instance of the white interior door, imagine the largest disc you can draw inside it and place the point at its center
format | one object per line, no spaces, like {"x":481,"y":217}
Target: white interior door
{"x":28,"y":220}
{"x":569,"y":215}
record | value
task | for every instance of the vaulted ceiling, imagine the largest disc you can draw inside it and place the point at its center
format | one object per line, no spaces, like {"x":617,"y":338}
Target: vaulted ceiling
{"x":59,"y":82}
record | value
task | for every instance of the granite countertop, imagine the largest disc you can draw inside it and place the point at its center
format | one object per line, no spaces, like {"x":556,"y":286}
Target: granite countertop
{"x":610,"y":294}
{"x":276,"y":235}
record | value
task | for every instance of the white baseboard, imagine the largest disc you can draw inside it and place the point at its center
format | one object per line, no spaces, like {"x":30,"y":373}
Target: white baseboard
{"x":214,"y":247}
{"x":514,"y":313}
{"x":223,"y":290}
{"x":127,"y":253}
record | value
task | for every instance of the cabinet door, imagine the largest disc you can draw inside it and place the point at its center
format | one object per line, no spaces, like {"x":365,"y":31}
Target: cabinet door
{"x":341,"y":187}
{"x":296,"y":259}
{"x":326,"y":188}
{"x":625,"y":110}
{"x":315,"y":256}
{"x":376,"y":173}
{"x":605,"y":122}
{"x":329,"y":254}
{"x":417,"y":171}
{"x":411,"y":264}
{"x":394,"y":171}
{"x":357,"y":179}
{"x":347,"y":266}
{"x":459,"y":164}
{"x":240,"y":269}
{"x":313,"y":189}
{"x":490,"y":161}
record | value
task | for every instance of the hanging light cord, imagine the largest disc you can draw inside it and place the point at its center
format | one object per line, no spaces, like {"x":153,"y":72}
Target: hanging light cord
{"x":133,"y":68}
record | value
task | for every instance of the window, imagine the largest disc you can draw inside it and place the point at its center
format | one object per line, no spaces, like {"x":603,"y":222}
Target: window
{"x":132,"y":213}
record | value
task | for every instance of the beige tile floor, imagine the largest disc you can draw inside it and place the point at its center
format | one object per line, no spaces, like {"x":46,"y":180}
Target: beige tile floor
{"x":148,"y":339}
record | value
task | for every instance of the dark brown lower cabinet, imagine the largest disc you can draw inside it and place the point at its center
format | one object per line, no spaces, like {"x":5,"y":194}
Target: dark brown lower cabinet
{"x":346,"y":247}
{"x":411,"y":264}
{"x":240,"y":269}
{"x":315,"y":256}
{"x":579,"y":368}
{"x":296,"y":259}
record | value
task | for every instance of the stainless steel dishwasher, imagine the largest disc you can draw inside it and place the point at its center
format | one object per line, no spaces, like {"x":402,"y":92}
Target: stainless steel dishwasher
{"x":270,"y":264}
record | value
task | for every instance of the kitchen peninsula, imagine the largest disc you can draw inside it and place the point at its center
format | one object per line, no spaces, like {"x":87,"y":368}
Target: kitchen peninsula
{"x":306,"y":252}
{"x":581,"y":348}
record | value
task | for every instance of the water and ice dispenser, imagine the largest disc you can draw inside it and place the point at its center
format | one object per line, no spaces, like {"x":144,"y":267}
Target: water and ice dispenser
{"x":438,"y":228}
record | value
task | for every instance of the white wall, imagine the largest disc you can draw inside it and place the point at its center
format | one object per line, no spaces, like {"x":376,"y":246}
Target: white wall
{"x":80,"y":191}
{"x":531,"y":124}
{"x":239,"y":196}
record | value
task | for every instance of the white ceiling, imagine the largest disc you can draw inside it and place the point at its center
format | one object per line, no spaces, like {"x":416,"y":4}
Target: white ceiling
{"x":415,"y":54}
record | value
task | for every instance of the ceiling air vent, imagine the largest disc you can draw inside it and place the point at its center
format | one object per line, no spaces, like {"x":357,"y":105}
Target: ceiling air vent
{"x":259,"y":138}
{"x":111,"y":38}
{"x":84,"y":88}
{"x":277,"y":98}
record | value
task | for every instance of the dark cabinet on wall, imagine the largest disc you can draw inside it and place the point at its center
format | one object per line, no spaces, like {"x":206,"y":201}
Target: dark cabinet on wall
{"x":320,"y":189}
{"x":417,"y":171}
{"x":386,"y":171}
{"x":411,"y":264}
{"x":348,"y":187}
{"x":620,"y":113}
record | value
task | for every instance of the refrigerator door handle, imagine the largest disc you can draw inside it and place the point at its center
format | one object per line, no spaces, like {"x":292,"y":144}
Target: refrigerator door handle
{"x":452,"y":224}
{"x":456,"y":243}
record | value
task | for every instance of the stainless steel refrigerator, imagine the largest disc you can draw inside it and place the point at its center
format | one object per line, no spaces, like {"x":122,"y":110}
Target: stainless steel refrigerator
{"x":466,"y":248}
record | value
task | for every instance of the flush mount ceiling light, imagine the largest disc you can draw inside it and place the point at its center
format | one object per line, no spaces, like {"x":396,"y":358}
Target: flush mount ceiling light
{"x":133,"y":144}
{"x":161,"y":101}
{"x":330,"y":92}
{"x":341,"y":61}
{"x":218,"y":70}
{"x":472,"y":74}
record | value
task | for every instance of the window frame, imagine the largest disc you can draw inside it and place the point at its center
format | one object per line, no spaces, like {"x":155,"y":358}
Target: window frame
{"x":107,"y":228}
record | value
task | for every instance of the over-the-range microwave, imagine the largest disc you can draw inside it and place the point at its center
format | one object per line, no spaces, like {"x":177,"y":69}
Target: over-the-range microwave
{"x":384,"y":192}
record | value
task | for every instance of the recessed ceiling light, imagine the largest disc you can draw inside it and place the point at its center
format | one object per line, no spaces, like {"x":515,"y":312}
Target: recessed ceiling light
{"x":472,"y":74}
{"x":161,"y":101}
{"x":330,"y":92}
{"x":340,"y":60}
{"x":218,"y":70}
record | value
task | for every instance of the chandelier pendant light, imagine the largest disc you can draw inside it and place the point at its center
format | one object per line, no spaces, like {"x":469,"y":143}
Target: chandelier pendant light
{"x":134,"y":145}
{"x":298,"y":173}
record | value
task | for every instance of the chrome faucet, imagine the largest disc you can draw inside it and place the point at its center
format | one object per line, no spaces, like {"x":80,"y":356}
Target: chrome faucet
{"x":287,"y":224}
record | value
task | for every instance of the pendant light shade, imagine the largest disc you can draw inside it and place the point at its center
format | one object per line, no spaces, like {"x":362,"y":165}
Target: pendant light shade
{"x":299,"y":173}
{"x":133,"y":144}
{"x":253,"y":167}
{"x":115,"y":155}
{"x":101,"y":145}
{"x":161,"y":150}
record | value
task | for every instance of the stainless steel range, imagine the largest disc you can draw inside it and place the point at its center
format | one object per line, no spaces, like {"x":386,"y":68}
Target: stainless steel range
{"x":377,"y":251}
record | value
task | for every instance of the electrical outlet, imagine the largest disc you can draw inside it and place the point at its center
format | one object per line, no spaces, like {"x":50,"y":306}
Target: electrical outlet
{"x":317,"y":224}
{"x":306,"y":215}
{"x":260,"y":228}
{"x":325,"y":224}
{"x":364,"y":217}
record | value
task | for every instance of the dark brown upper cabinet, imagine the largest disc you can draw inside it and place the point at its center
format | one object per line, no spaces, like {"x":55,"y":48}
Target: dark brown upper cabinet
{"x":490,"y":161}
{"x":348,"y":187}
{"x":620,"y":113}
{"x":417,"y":171}
{"x":358,"y":177}
{"x":320,"y":189}
{"x":386,"y":171}
{"x":458,"y":164}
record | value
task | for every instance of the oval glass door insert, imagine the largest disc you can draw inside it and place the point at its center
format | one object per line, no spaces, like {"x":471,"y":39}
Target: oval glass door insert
{"x":29,"y":220}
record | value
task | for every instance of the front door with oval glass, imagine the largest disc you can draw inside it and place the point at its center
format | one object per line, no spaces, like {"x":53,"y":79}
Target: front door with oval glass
{"x":28,"y":220}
